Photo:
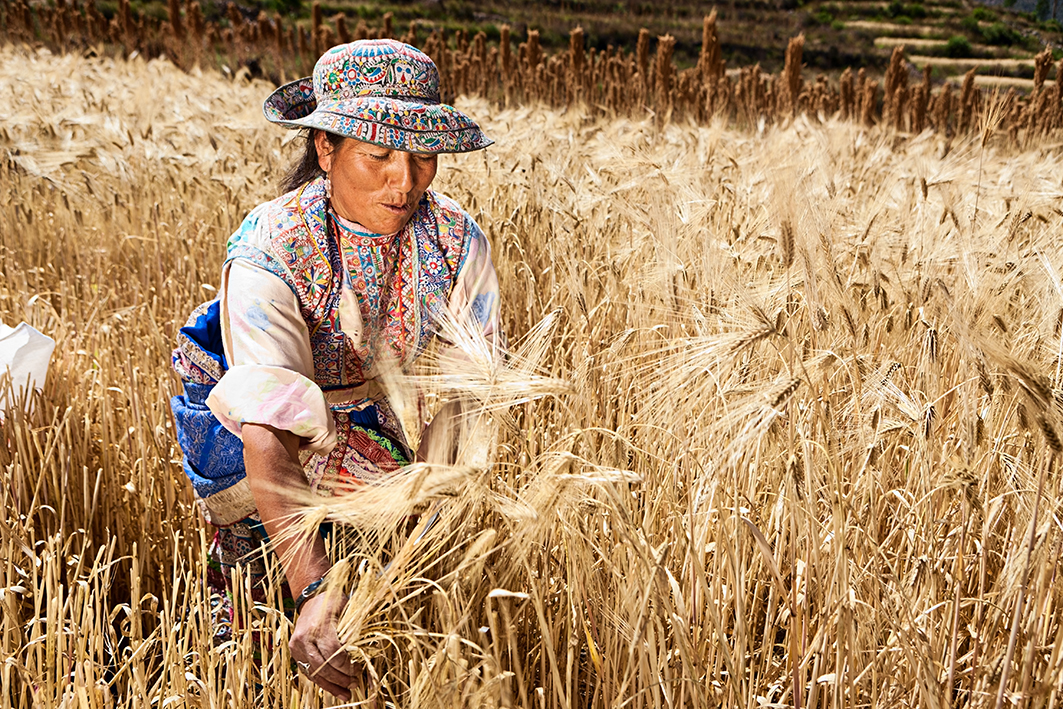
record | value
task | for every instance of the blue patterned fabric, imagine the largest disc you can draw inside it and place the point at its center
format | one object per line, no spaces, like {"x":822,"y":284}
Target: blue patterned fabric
{"x":213,"y":457}
{"x":204,"y":330}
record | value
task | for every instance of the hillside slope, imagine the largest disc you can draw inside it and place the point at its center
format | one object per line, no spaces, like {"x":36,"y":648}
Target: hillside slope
{"x":751,"y":31}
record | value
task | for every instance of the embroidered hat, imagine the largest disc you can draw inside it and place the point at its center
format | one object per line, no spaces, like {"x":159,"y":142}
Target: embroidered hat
{"x":378,"y":91}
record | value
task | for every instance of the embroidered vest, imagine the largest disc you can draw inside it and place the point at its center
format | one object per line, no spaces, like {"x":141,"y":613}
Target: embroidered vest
{"x":294,"y":238}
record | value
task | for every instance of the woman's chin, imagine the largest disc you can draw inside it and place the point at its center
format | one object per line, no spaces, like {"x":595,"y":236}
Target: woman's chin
{"x":388,"y":227}
{"x":388,"y":223}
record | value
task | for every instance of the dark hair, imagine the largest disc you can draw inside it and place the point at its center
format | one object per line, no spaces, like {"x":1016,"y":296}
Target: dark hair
{"x":306,"y":167}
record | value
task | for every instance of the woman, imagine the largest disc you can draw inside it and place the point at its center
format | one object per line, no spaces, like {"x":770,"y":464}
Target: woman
{"x":356,"y":264}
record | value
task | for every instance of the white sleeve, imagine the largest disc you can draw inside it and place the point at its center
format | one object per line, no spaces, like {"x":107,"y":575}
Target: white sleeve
{"x":270,"y":379}
{"x":474,"y":300}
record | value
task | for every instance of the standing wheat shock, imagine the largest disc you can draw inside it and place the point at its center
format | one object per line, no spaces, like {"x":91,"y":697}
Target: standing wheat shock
{"x":642,"y":53}
{"x":1042,"y":63}
{"x":710,"y":60}
{"x":921,"y":102}
{"x":127,"y":25}
{"x":533,"y":59}
{"x":280,"y":35}
{"x":196,"y":22}
{"x":847,"y":94}
{"x":1057,"y":107}
{"x":896,"y":76}
{"x":176,"y":22}
{"x":342,"y":33}
{"x":869,"y":103}
{"x":791,"y":75}
{"x":1039,"y":106}
{"x":302,"y":47}
{"x":574,"y":83}
{"x":664,"y":76}
{"x":968,"y":97}
{"x":315,"y":29}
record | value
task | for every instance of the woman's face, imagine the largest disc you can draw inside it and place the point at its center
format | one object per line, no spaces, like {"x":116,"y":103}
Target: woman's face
{"x":377,"y":187}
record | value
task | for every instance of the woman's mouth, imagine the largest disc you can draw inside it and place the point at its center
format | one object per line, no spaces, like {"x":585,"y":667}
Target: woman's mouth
{"x":396,"y":209}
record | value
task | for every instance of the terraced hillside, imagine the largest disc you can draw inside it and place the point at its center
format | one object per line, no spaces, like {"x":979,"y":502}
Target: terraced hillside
{"x":838,"y":33}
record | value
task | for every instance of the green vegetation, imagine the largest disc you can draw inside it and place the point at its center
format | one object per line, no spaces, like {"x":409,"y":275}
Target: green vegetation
{"x":986,"y":27}
{"x":1001,"y":35}
{"x":915,"y":10}
{"x":958,"y":47}
{"x":823,"y":17}
{"x":901,"y":13}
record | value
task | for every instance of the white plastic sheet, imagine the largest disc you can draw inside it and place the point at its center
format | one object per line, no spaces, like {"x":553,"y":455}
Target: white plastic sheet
{"x":24,"y":356}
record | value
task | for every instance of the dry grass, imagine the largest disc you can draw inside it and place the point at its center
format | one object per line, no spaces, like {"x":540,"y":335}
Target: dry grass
{"x":910,"y":43}
{"x":893,"y":29}
{"x":799,"y":446}
{"x":938,"y":46}
{"x":960,"y":65}
{"x":1002,"y":82}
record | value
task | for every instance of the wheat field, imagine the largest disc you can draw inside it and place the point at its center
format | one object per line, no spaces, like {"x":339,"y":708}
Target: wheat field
{"x":781,"y":428}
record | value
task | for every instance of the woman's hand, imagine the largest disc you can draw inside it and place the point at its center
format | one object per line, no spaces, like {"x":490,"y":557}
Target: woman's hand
{"x":316,"y":646}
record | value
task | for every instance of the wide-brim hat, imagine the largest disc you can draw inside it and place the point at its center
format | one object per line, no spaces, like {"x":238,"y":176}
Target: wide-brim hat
{"x":379,"y":91}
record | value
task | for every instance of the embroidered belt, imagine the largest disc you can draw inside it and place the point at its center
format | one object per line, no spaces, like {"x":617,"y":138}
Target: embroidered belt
{"x":354,"y":398}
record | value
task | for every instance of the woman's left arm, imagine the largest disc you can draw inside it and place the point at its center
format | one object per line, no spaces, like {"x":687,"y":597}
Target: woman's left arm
{"x":475,"y":301}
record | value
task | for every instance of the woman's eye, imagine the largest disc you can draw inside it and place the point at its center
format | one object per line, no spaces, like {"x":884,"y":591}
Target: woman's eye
{"x":381,"y":158}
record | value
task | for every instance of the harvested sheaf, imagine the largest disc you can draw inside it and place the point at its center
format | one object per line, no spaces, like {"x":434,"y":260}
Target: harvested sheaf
{"x":781,"y":426}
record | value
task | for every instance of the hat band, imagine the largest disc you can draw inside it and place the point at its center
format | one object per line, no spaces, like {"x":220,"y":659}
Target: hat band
{"x":422,"y":100}
{"x":403,"y":128}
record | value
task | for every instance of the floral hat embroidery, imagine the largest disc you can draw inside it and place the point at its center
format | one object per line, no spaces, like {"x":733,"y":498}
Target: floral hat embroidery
{"x":378,"y":91}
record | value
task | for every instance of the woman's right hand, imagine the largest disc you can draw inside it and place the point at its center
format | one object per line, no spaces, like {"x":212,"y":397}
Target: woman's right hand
{"x":316,"y":647}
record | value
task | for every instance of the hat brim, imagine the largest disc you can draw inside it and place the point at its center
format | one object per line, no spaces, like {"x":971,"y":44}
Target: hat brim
{"x":410,"y":126}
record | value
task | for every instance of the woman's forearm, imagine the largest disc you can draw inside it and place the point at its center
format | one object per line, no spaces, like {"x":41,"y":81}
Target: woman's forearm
{"x":271,"y":457}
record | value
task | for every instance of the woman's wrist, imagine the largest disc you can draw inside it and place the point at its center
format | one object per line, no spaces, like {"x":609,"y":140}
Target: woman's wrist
{"x":312,"y":589}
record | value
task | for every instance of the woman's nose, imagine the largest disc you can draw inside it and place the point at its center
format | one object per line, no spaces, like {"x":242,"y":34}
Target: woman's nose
{"x":403,"y":171}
